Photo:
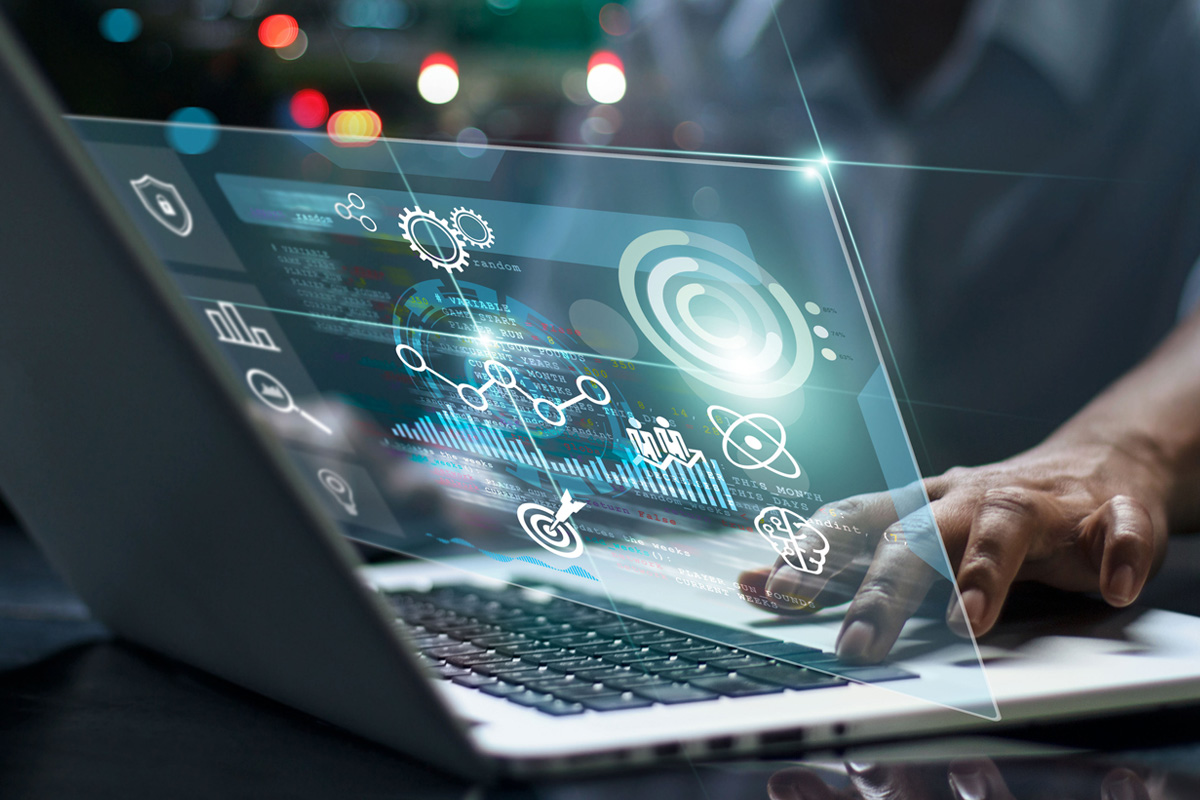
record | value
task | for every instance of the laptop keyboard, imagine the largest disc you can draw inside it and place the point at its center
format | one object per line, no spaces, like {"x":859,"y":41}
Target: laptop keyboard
{"x":564,"y":658}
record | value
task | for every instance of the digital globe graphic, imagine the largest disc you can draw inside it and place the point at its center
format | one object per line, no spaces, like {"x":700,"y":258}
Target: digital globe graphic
{"x":753,"y":441}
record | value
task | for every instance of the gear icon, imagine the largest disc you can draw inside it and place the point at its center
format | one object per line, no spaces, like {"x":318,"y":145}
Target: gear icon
{"x":485,"y":241}
{"x":455,"y":259}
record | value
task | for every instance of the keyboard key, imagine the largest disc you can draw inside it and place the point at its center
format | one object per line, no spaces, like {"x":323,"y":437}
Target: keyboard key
{"x":616,"y":702}
{"x":676,"y":666}
{"x":574,"y":664}
{"x":458,"y":649}
{"x":529,"y":698}
{"x":736,"y":662}
{"x":674,"y":693}
{"x":501,"y":689}
{"x":582,"y":692}
{"x":477,"y":659}
{"x":603,"y":673}
{"x":472,"y":680}
{"x":788,"y":676}
{"x":549,"y":682}
{"x":507,"y":668}
{"x":560,"y":708}
{"x":733,"y":686}
{"x":703,"y":652}
{"x":686,"y":673}
{"x":659,"y":638}
{"x":450,"y":671}
{"x":634,"y":656}
{"x":629,"y":681}
{"x":494,"y":638}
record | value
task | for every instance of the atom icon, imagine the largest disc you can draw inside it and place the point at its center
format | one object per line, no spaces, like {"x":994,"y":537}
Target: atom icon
{"x":747,"y":442}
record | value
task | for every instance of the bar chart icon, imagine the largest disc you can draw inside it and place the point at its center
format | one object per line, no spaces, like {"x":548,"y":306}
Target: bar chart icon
{"x":232,"y":329}
{"x":702,"y":484}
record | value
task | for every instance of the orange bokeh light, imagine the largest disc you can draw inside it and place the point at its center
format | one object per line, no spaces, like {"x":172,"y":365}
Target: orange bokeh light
{"x":354,"y":127}
{"x":278,"y":30}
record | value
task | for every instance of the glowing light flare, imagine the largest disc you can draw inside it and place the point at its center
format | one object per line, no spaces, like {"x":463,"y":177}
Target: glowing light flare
{"x":309,"y":108}
{"x":278,"y":30}
{"x":354,"y":127}
{"x":605,"y":77}
{"x":438,"y":80}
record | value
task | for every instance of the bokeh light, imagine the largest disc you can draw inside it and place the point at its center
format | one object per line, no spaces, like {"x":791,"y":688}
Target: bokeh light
{"x":278,"y":30}
{"x":120,"y":25}
{"x":472,"y":142}
{"x":192,"y":130}
{"x":309,"y":108}
{"x":354,"y":127}
{"x":438,"y":81}
{"x":297,"y":48}
{"x":614,"y":19}
{"x":606,"y":77}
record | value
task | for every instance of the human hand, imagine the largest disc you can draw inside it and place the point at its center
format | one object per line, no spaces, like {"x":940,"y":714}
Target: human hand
{"x":976,"y":779}
{"x":1076,"y":515}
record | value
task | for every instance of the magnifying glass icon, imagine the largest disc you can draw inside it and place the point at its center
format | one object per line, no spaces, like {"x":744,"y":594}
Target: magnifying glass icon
{"x":274,"y":395}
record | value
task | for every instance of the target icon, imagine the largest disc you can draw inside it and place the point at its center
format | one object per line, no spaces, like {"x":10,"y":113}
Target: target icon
{"x":716,"y":314}
{"x":551,"y":529}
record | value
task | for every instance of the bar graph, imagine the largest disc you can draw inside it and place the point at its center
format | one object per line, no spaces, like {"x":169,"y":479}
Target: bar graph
{"x":232,"y":329}
{"x":703,"y":484}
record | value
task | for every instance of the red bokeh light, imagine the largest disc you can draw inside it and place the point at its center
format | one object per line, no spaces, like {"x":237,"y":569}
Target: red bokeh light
{"x":604,"y":57}
{"x":309,"y":108}
{"x":439,"y":58}
{"x":278,"y":30}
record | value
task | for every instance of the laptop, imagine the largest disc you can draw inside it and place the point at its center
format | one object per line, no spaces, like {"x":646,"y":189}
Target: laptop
{"x":576,"y":395}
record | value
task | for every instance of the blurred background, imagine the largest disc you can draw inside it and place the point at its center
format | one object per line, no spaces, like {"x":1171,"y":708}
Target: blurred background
{"x":473,"y":70}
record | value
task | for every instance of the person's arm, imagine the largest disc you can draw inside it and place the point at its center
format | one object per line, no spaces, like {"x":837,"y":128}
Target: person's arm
{"x":1088,"y":509}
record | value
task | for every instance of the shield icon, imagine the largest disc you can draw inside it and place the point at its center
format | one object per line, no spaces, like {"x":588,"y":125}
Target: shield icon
{"x":164,"y":203}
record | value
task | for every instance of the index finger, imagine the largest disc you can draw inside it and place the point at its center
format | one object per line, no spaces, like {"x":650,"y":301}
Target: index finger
{"x":843,"y":531}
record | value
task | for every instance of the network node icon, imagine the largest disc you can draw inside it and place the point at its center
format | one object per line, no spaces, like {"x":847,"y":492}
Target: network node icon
{"x":354,"y":203}
{"x":445,"y":245}
{"x":500,"y":375}
{"x":551,"y":529}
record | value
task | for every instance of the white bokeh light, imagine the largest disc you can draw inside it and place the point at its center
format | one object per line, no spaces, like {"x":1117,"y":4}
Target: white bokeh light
{"x":606,"y":83}
{"x":438,"y":83}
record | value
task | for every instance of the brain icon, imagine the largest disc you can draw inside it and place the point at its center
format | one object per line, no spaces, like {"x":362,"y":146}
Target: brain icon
{"x":797,"y":542}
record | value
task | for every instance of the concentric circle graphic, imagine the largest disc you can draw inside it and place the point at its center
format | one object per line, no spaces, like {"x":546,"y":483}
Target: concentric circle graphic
{"x":715,"y":313}
{"x":559,"y":538}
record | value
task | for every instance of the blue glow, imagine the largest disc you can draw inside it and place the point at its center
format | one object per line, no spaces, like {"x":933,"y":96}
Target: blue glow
{"x":196,"y":131}
{"x":120,"y":25}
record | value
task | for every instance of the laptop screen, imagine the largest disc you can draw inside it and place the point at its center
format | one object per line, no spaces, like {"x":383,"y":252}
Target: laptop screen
{"x":635,"y":382}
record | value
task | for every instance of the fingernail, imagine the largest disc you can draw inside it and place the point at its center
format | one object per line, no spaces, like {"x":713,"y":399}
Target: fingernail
{"x":969,"y":785}
{"x":856,"y":641}
{"x":1121,"y":585}
{"x":975,"y":604}
{"x":1121,"y":789}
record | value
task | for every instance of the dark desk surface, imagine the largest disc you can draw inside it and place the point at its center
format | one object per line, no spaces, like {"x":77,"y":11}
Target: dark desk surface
{"x":83,"y":716}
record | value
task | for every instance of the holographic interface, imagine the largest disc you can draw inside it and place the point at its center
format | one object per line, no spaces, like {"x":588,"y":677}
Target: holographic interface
{"x":551,"y":369}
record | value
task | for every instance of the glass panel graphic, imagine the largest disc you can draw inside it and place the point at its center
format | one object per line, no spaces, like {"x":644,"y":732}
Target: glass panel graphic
{"x":566,"y":372}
